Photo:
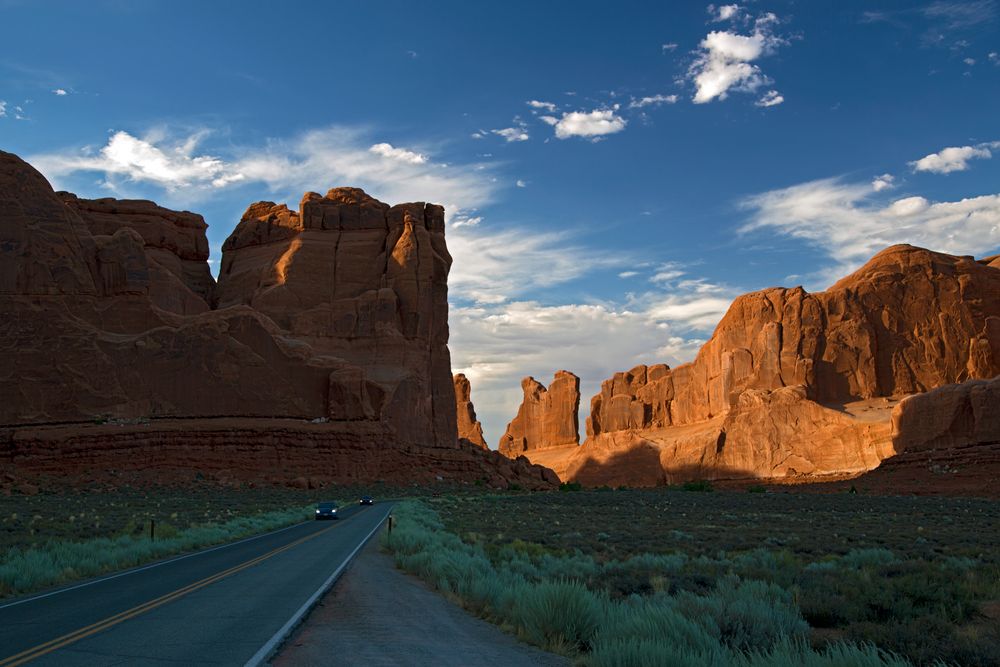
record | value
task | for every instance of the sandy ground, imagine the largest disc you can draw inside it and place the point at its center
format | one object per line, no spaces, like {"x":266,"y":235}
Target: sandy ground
{"x":376,"y":615}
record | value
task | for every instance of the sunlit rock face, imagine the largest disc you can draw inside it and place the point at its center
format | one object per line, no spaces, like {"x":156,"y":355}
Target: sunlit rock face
{"x":546,"y":418}
{"x":794,"y":384}
{"x":469,"y":427}
{"x":336,"y":313}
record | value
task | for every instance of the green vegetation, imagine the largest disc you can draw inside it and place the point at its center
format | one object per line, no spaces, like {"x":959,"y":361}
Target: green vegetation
{"x":649,"y":577}
{"x":56,"y":562}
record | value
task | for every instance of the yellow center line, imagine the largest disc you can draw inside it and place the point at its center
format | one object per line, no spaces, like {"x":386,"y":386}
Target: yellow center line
{"x":82,"y":633}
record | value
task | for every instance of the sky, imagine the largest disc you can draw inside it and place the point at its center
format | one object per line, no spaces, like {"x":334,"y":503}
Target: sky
{"x":614,"y":173}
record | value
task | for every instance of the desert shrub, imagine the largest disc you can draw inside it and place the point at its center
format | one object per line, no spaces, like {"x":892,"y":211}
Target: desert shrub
{"x":867,"y":558}
{"x":698,"y":485}
{"x":749,"y":614}
{"x":560,"y":615}
{"x":653,"y":653}
{"x":838,"y":654}
{"x":56,"y":561}
{"x":570,"y":486}
{"x":756,"y":488}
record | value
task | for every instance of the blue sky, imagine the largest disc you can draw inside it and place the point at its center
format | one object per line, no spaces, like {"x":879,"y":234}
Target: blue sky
{"x":614,"y":175}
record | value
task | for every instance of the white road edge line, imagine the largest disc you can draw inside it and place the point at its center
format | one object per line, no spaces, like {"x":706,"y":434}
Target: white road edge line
{"x":149,"y":567}
{"x":275,"y":642}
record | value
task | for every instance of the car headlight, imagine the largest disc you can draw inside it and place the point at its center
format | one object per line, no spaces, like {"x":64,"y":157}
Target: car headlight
{"x":334,"y":511}
{"x":317,"y":511}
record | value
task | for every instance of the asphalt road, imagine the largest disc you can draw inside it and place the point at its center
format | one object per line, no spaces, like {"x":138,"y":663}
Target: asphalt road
{"x":220,"y":606}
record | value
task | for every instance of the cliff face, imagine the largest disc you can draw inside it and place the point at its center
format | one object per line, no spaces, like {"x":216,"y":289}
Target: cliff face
{"x":546,"y":417}
{"x":793,"y":383}
{"x":469,"y":427}
{"x":336,"y":313}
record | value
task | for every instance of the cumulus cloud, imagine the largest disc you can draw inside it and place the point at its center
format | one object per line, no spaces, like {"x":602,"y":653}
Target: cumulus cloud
{"x":588,"y":124}
{"x":153,"y":159}
{"x":548,"y":106}
{"x":724,"y":12}
{"x":994,"y":57}
{"x":518,"y":133}
{"x":724,"y":60}
{"x":883,"y":182}
{"x":314,"y":160}
{"x":850,"y":222}
{"x":669,"y":46}
{"x":628,"y":274}
{"x":652,"y":100}
{"x":770,"y":99}
{"x":521,"y":183}
{"x":953,"y":158}
{"x":401,"y":154}
{"x":3,"y":108}
{"x":60,"y":92}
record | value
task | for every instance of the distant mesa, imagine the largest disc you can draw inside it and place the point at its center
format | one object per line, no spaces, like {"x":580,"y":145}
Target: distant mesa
{"x":800,"y":386}
{"x":321,"y":351}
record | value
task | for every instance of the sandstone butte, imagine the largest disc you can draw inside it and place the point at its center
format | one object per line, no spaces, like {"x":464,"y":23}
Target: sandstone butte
{"x":320,"y":354}
{"x":897,"y":357}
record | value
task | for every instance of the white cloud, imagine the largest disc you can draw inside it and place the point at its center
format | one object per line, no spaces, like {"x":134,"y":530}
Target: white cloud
{"x":170,"y":165}
{"x":60,"y":92}
{"x":969,"y":61}
{"x":953,"y":158}
{"x":883,"y":182}
{"x":549,"y":120}
{"x":666,"y":273}
{"x":464,"y":221}
{"x":3,"y":108}
{"x":770,"y":99}
{"x":401,"y":154}
{"x":851,"y":223}
{"x":669,"y":46}
{"x":652,"y":100}
{"x":521,"y":183}
{"x":628,"y":274}
{"x":724,"y":60}
{"x":723,"y":12}
{"x":590,"y":124}
{"x":994,"y":57}
{"x":518,"y":133}
{"x":316,"y":160}
{"x":548,"y":106}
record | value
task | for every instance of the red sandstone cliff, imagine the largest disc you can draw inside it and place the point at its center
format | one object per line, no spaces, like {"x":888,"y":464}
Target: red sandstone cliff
{"x":793,"y":383}
{"x":469,"y":427}
{"x":546,"y":417}
{"x":335,"y":314}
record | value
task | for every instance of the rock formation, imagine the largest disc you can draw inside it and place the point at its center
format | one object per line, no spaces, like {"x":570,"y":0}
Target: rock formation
{"x":546,"y":418}
{"x":334,"y":314}
{"x":793,"y":383}
{"x":469,"y":427}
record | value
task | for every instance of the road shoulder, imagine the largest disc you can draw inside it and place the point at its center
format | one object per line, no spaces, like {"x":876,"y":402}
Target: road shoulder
{"x":377,"y":615}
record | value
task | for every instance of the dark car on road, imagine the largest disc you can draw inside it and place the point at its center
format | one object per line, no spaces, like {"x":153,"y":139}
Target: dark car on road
{"x":366,"y":500}
{"x":326,"y":511}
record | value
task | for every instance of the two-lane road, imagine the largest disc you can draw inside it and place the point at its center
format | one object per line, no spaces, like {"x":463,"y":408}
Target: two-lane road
{"x":223,"y":606}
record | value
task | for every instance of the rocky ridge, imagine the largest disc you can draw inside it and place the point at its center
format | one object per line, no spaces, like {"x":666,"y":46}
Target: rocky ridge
{"x":333,"y":316}
{"x":793,"y":384}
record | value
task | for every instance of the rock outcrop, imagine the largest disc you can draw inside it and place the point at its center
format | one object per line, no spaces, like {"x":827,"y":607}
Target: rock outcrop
{"x":469,"y":427}
{"x":335,"y":314}
{"x":793,"y":383}
{"x":546,"y":418}
{"x":949,"y":417}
